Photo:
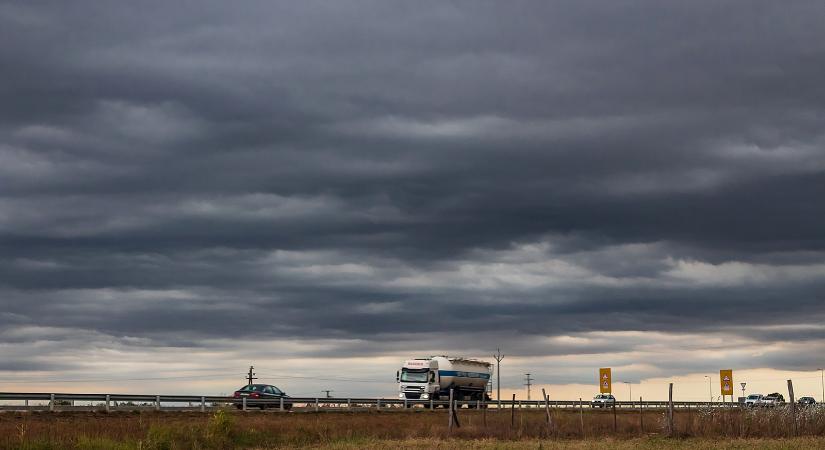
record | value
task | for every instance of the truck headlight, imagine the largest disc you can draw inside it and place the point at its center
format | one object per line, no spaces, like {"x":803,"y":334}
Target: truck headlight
{"x":400,"y":395}
{"x":425,"y":396}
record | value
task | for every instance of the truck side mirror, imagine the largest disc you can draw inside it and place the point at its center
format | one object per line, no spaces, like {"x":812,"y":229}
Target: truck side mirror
{"x":397,"y":377}
{"x":432,"y":377}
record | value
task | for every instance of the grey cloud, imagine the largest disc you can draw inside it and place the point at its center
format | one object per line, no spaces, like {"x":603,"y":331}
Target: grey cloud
{"x":363,"y":171}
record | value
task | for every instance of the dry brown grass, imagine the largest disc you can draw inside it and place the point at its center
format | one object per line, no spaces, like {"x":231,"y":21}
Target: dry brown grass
{"x":601,"y":444}
{"x":403,"y":429}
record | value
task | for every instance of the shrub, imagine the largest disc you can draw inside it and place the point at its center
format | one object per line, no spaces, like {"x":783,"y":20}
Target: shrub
{"x":220,"y":428}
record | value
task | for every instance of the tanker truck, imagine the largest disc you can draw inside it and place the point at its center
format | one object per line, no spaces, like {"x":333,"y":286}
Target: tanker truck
{"x":433,"y":377}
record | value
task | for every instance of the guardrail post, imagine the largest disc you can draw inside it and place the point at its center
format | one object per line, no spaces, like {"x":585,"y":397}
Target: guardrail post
{"x":107,"y":402}
{"x":378,"y":404}
{"x":26,"y":402}
{"x":243,"y":403}
{"x":316,"y":404}
{"x":349,"y":403}
{"x":157,"y":403}
{"x":281,"y":404}
{"x":51,"y":402}
{"x":431,"y":404}
{"x":405,"y":402}
{"x":203,"y":404}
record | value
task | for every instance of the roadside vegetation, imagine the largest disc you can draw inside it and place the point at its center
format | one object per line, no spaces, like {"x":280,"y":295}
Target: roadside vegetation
{"x":227,"y":429}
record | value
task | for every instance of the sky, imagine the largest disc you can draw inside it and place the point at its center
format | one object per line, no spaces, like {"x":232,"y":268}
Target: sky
{"x":325,"y":189}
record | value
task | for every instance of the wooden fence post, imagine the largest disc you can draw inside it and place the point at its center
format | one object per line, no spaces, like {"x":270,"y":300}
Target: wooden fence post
{"x":670,"y":428}
{"x":453,"y":412}
{"x":547,"y":410}
{"x":614,"y":416}
{"x":513,"y":412}
{"x":793,"y":406}
{"x":641,"y":416}
{"x":450,"y":420}
{"x":581,"y":415}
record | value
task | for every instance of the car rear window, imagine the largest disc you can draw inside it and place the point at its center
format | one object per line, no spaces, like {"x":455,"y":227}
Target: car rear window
{"x":253,"y":387}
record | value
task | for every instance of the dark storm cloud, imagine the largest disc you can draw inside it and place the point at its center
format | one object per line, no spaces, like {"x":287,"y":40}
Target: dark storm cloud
{"x":363,"y":170}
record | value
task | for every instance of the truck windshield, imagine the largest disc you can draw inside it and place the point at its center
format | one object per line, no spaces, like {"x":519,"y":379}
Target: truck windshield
{"x":414,"y":377}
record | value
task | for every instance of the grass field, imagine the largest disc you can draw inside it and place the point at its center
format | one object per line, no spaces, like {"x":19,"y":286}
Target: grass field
{"x":697,"y":429}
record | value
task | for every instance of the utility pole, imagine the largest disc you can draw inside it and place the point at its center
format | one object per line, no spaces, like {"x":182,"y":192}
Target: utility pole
{"x":327,"y":391}
{"x":251,"y":375}
{"x":528,"y":384}
{"x":498,"y":356}
{"x":822,"y":375}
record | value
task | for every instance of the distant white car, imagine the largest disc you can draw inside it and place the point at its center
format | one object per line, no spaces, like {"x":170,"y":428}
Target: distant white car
{"x":775,"y":399}
{"x":753,"y":400}
{"x":603,"y":400}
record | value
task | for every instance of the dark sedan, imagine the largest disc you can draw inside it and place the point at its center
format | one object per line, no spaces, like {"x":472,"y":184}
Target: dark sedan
{"x":806,"y":401}
{"x":255,"y":393}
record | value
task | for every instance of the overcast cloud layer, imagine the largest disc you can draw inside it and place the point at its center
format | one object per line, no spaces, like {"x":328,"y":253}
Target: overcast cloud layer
{"x":354,"y":179}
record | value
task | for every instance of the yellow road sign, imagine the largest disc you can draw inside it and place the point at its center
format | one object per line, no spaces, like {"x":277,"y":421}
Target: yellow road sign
{"x":605,"y":383}
{"x":726,"y":381}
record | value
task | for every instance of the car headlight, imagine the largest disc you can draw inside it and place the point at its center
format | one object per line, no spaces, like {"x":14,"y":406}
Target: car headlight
{"x":400,"y":395}
{"x":425,"y":396}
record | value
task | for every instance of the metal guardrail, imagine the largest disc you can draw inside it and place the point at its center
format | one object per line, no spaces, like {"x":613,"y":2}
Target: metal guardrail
{"x":195,"y":402}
